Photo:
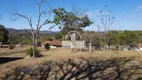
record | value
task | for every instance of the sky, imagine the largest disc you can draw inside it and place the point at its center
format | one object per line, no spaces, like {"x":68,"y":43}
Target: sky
{"x":128,"y":13}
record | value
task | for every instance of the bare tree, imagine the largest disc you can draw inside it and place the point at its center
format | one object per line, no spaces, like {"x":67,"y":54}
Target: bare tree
{"x":34,"y":31}
{"x":107,"y":22}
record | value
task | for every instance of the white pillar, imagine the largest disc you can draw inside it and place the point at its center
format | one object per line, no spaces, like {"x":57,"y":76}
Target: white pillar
{"x":90,"y":47}
{"x":119,"y":47}
{"x":72,"y":45}
{"x":81,"y":45}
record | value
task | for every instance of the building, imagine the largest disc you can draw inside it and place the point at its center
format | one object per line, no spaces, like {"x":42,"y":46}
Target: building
{"x":52,"y":43}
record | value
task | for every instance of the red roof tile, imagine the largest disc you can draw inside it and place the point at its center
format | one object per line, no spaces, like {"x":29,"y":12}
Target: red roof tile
{"x":56,"y":43}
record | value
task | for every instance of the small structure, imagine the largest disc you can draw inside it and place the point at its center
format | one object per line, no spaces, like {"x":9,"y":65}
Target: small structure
{"x":73,"y":42}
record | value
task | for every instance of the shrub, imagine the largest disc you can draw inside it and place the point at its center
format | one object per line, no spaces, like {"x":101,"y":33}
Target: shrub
{"x":30,"y":52}
{"x":47,"y":46}
{"x":39,"y":43}
{"x":11,"y":46}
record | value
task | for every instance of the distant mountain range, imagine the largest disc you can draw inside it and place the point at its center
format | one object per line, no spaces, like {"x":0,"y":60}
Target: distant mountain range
{"x":12,"y":30}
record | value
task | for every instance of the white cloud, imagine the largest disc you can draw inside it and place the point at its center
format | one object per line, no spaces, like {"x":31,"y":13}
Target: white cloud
{"x":139,"y":7}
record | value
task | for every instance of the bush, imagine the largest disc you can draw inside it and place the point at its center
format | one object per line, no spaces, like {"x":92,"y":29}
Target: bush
{"x":39,"y":43}
{"x":47,"y":46}
{"x":11,"y":46}
{"x":30,"y":52}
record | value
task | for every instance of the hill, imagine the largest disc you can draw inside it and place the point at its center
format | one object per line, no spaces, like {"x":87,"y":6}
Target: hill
{"x":20,"y":31}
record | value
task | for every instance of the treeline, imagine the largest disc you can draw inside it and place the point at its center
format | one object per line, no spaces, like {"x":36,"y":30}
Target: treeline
{"x":98,"y":39}
{"x":113,"y":38}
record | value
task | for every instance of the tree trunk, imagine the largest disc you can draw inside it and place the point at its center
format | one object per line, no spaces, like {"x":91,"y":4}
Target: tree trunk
{"x":36,"y":41}
{"x":34,"y":47}
{"x":36,"y":38}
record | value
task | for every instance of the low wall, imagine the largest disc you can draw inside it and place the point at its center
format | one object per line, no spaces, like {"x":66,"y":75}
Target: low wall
{"x":69,"y":44}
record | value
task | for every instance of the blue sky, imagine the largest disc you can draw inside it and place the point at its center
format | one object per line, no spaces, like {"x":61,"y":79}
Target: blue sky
{"x":128,"y":13}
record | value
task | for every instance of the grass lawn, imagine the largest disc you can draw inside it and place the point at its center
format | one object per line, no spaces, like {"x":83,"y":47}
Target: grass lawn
{"x":58,"y":54}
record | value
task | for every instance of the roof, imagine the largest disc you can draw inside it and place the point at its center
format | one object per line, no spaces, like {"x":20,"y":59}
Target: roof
{"x":56,"y":43}
{"x":139,"y":44}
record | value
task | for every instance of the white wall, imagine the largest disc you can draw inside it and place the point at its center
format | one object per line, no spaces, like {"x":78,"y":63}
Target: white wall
{"x":69,"y":44}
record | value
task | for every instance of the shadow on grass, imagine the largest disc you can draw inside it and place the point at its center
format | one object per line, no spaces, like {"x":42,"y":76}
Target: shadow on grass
{"x":8,"y":59}
{"x":82,"y":69}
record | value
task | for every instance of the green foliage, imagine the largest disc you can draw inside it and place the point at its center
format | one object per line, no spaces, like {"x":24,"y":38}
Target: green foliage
{"x":26,"y":41}
{"x":114,"y":38}
{"x":3,"y":34}
{"x":14,"y":38}
{"x":30,"y":52}
{"x":44,"y":37}
{"x":39,"y":43}
{"x":111,"y":37}
{"x":59,"y":36}
{"x":47,"y":46}
{"x":22,"y":38}
{"x":93,"y":38}
{"x":127,"y":38}
{"x":69,"y":21}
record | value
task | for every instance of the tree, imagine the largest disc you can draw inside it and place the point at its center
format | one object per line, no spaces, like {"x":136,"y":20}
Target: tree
{"x":70,"y":21}
{"x":127,"y":38}
{"x":3,"y":35}
{"x":34,"y":31}
{"x":107,"y":22}
{"x":112,"y":39}
{"x":93,"y":38}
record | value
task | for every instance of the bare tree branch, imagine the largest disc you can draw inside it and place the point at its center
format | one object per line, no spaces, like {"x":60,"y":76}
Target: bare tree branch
{"x":47,"y":20}
{"x":29,"y":33}
{"x":18,"y":15}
